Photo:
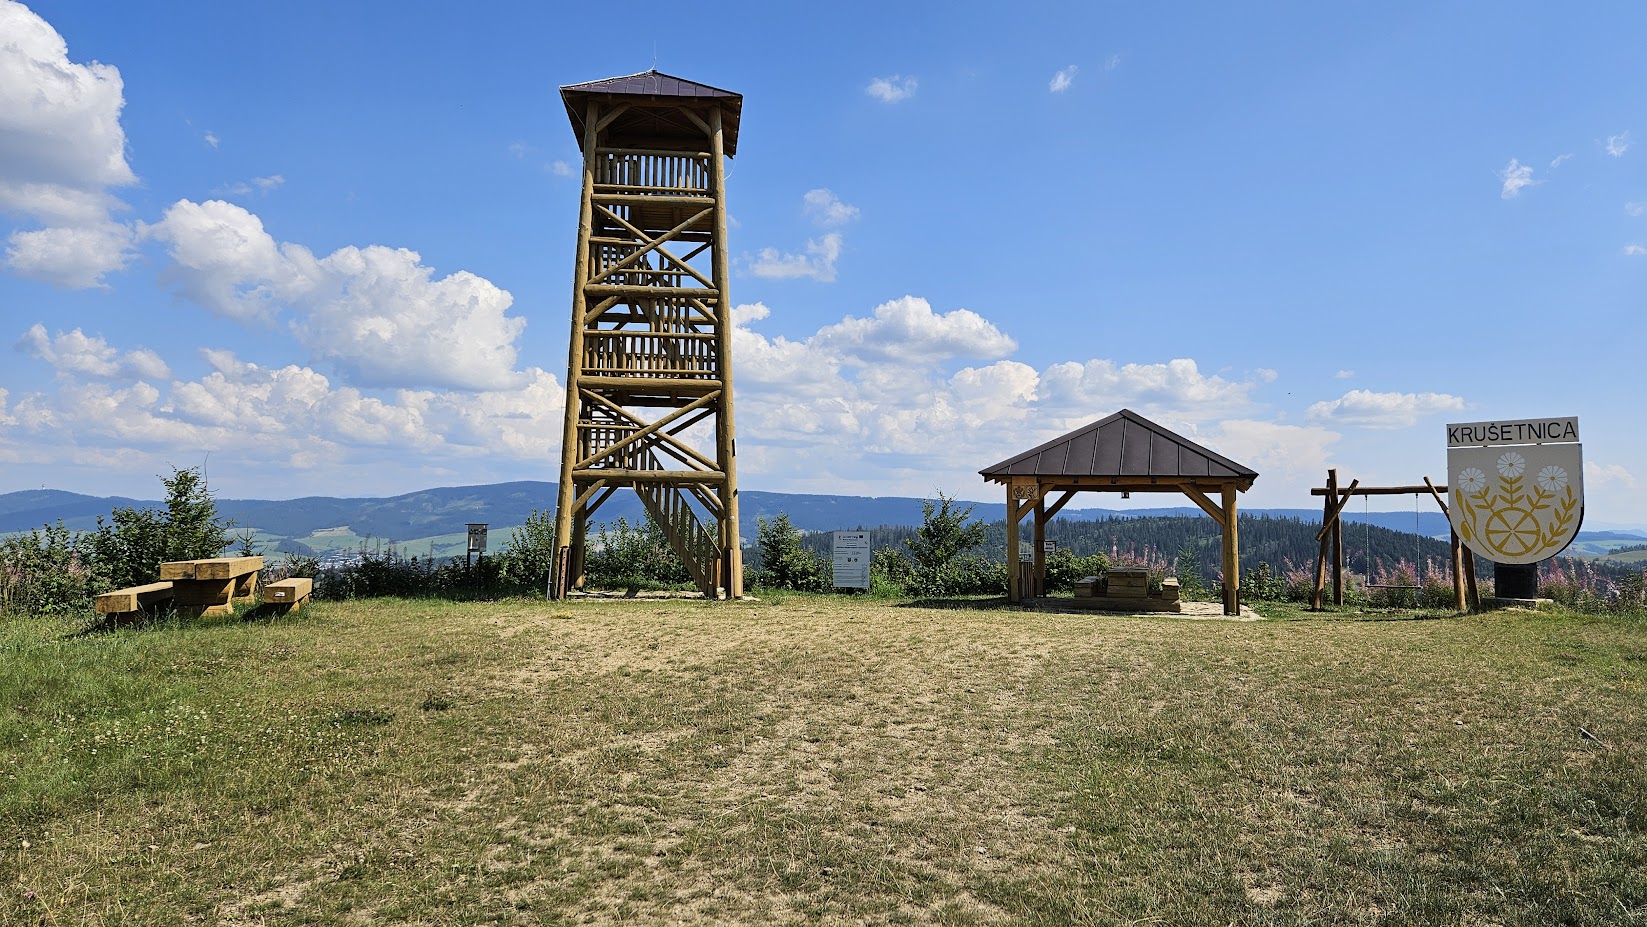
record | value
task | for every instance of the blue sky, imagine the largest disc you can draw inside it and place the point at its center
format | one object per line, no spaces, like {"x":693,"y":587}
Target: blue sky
{"x":330,"y":245}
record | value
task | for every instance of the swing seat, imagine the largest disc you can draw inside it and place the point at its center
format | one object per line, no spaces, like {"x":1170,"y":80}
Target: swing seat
{"x":1389,"y":586}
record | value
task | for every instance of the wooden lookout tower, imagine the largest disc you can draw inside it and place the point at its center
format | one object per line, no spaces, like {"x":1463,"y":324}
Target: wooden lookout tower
{"x":649,"y":366}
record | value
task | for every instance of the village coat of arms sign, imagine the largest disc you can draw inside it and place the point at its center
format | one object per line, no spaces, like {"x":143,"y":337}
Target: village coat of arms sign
{"x":1517,"y":487}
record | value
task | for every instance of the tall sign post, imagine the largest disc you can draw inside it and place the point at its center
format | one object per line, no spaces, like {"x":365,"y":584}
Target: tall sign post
{"x":477,"y":547}
{"x":1517,"y":492}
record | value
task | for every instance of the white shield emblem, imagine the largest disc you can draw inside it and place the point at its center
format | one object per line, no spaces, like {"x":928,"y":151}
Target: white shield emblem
{"x":1516,"y":503}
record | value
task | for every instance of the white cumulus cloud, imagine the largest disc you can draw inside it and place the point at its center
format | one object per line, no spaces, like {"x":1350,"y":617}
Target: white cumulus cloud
{"x":1368,"y":409}
{"x":1062,"y":80}
{"x":62,"y":149}
{"x":893,"y":89}
{"x":378,"y":313}
{"x":879,"y":404}
{"x":907,"y":330}
{"x":817,"y":262}
{"x":77,"y":352}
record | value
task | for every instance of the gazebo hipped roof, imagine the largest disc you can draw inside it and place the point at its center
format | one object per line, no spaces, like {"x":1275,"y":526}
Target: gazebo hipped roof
{"x":1125,"y":450}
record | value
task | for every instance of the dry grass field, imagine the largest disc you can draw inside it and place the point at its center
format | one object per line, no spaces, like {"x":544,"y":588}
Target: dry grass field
{"x":822,"y":760}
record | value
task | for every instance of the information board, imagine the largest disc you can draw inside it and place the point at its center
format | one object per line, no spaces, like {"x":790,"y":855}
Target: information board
{"x":851,"y":560}
{"x":477,"y":539}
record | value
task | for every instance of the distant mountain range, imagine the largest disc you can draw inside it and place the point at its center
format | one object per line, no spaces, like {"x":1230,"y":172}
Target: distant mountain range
{"x":437,"y":516}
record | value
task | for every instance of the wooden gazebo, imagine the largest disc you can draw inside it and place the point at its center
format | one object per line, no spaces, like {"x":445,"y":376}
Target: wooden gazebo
{"x":1123,"y":453}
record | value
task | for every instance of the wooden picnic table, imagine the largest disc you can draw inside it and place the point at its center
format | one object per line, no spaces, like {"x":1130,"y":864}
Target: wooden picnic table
{"x":213,"y":584}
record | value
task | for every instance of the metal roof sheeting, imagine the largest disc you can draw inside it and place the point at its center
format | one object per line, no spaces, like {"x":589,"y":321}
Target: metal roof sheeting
{"x":1123,"y":445}
{"x":655,"y":84}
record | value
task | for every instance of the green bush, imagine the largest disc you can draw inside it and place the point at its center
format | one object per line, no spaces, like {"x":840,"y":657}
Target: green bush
{"x":626,"y":556}
{"x":47,"y":572}
{"x":1064,"y":569}
{"x":525,"y":561}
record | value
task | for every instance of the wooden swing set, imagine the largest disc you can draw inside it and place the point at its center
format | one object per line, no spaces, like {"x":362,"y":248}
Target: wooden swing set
{"x":1331,"y":539}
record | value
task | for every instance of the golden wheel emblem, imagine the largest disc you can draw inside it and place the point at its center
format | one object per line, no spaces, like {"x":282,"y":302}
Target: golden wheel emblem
{"x":1513,"y":531}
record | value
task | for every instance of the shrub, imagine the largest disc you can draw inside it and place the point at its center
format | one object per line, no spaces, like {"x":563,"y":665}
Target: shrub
{"x":527,"y":558}
{"x":46,"y":572}
{"x":633,"y":557}
{"x":1064,"y":569}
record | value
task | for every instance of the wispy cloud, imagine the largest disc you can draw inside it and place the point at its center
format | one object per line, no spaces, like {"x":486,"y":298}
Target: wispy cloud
{"x":559,"y":169}
{"x":243,"y":188}
{"x":893,"y":89}
{"x":1634,"y":250}
{"x":1618,"y":144}
{"x":824,"y":208}
{"x":1515,"y":176}
{"x":519,"y":149}
{"x":1559,"y":159}
{"x":1112,"y":62}
{"x":1597,"y":474}
{"x":211,"y":138}
{"x":1636,"y":209}
{"x":1344,"y":374}
{"x":1063,"y":79}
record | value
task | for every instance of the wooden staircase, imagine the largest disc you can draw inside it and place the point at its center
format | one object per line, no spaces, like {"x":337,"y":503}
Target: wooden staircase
{"x":688,"y":537}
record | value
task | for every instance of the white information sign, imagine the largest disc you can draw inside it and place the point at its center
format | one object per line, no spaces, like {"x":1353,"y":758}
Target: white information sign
{"x":1516,"y":488}
{"x":477,"y":539}
{"x":851,"y":560}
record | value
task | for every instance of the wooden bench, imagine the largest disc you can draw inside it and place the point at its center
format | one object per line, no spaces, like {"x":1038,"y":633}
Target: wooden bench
{"x":289,"y":593}
{"x":212,"y":585}
{"x":135,"y":599}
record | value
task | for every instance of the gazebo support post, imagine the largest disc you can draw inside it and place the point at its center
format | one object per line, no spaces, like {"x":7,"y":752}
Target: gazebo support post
{"x":1232,"y":555}
{"x":1038,"y":585}
{"x":1017,"y":505}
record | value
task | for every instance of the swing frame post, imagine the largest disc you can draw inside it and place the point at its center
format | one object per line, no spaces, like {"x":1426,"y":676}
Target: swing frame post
{"x":1461,"y":562}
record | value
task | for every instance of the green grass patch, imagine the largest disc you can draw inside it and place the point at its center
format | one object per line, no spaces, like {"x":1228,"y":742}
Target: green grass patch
{"x":823,"y":759}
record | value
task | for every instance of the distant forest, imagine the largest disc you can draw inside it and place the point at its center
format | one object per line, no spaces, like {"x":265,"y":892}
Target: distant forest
{"x":1283,"y":543}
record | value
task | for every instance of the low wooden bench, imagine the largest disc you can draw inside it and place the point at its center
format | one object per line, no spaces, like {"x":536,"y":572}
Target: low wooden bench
{"x":289,"y":593}
{"x":212,"y":585}
{"x":135,"y":599}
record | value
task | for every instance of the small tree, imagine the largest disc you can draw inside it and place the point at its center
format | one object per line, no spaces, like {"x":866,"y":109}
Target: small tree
{"x":945,"y":534}
{"x":785,"y":562}
{"x":129,"y":548}
{"x":193,"y":530}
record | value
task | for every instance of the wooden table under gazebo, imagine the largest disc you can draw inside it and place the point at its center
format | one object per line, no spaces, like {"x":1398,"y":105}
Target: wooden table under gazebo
{"x":1123,"y":453}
